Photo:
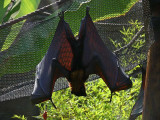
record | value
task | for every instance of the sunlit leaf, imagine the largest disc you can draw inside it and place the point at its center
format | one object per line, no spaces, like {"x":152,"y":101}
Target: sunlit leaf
{"x":3,"y":8}
{"x":27,"y":6}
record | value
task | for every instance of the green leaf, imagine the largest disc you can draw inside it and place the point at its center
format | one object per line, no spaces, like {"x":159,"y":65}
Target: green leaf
{"x":6,"y":3}
{"x":27,"y":6}
{"x":20,"y":117}
{"x":3,"y":8}
{"x":13,"y":11}
{"x":21,"y":8}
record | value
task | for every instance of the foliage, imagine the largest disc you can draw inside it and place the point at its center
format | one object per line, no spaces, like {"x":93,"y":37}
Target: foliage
{"x":129,"y":33}
{"x":19,"y":9}
{"x":95,"y":106}
{"x":19,"y":117}
{"x":3,"y":8}
{"x":134,"y":51}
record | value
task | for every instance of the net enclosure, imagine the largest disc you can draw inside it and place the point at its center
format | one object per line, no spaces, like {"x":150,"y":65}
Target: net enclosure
{"x":24,"y":41}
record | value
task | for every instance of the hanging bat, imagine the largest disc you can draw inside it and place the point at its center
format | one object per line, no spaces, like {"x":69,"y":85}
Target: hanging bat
{"x":76,"y":60}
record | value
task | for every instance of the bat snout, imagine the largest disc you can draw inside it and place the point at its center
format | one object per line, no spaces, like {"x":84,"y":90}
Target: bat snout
{"x":76,"y":83}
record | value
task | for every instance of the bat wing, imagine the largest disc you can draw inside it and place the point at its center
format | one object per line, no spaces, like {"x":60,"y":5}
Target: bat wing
{"x":138,"y":106}
{"x":98,"y":59}
{"x":56,"y":63}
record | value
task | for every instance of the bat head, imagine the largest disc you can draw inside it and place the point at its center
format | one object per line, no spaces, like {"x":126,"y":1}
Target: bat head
{"x":76,"y":83}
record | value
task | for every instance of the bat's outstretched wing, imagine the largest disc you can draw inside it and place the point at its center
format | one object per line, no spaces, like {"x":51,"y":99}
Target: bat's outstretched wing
{"x":98,"y":59}
{"x":56,"y":63}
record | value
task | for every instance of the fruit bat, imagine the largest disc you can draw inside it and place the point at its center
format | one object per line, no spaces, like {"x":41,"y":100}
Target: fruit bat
{"x":75,"y":59}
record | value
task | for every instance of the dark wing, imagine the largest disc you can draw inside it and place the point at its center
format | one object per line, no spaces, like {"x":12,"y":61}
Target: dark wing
{"x":98,"y":59}
{"x":56,"y":63}
{"x":138,"y":106}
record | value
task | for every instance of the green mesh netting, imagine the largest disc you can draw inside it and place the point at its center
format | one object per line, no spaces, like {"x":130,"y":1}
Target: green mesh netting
{"x":24,"y":41}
